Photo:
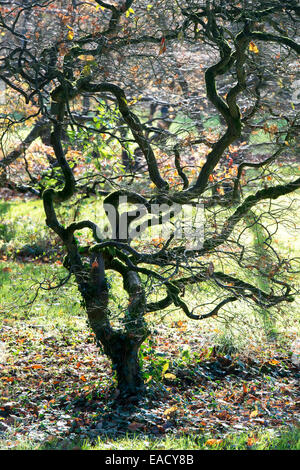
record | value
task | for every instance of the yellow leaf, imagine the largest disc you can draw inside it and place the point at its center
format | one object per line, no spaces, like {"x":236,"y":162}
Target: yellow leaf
{"x":254,"y":413}
{"x":253,"y":47}
{"x":170,"y":411}
{"x":70,"y":34}
{"x":129,"y":12}
{"x":170,"y":376}
{"x":86,"y":58}
{"x":99,"y":7}
{"x":165,"y":368}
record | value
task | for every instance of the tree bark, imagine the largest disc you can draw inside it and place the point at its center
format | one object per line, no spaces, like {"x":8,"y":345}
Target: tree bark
{"x":125,"y":362}
{"x":122,"y":348}
{"x":120,"y":345}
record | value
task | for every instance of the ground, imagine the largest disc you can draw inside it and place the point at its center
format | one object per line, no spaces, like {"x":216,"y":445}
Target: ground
{"x":58,"y":389}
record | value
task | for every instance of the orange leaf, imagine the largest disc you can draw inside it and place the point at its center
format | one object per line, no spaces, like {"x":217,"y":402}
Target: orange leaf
{"x":36,"y":366}
{"x":274,"y":362}
{"x":162,"y":50}
{"x":213,"y":442}
{"x":82,"y":378}
{"x":95,"y":264}
{"x":7,"y":270}
{"x":251,"y":441}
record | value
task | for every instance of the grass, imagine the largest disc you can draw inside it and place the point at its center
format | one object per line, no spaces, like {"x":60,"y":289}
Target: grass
{"x":262,"y":441}
{"x":256,"y":440}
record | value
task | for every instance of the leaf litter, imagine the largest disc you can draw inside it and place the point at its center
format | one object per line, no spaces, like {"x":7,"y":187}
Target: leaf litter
{"x":60,"y":386}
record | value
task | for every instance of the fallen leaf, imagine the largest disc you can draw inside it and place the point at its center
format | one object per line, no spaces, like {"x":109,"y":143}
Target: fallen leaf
{"x":7,"y":270}
{"x":253,"y":47}
{"x":254,"y":413}
{"x":171,"y":410}
{"x":162,"y":46}
{"x":274,"y":362}
{"x":134,"y":426}
{"x":170,"y":376}
{"x":213,"y":442}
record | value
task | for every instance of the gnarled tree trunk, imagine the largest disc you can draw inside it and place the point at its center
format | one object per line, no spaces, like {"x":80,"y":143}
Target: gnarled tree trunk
{"x":121,"y":346}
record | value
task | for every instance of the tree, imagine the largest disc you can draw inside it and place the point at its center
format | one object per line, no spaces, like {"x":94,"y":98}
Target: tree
{"x":122,"y":57}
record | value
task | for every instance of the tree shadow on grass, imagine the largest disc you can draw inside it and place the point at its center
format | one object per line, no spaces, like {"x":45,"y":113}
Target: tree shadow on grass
{"x":156,"y":415}
{"x":4,"y":207}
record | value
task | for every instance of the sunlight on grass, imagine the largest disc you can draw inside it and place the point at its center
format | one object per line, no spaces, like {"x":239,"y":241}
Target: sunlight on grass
{"x":255,"y":440}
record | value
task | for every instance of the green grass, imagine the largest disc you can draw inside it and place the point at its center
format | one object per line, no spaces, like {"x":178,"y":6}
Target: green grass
{"x":263,"y":441}
{"x":19,"y":283}
{"x":254,"y":440}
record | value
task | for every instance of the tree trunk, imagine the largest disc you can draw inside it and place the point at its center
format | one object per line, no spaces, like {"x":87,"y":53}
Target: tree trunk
{"x":123,"y":349}
{"x":127,"y":367}
{"x":121,"y":346}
